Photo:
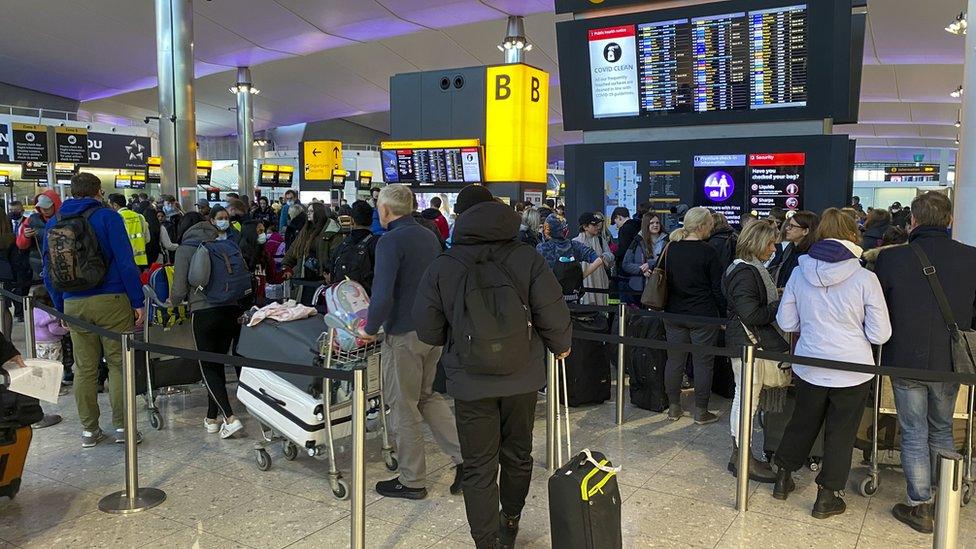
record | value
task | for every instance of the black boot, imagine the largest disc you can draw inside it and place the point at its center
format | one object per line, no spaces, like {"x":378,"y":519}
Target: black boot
{"x":919,"y":517}
{"x":828,"y":504}
{"x":784,"y":483}
{"x":759,"y":470}
{"x":458,"y":478}
{"x":508,"y":528}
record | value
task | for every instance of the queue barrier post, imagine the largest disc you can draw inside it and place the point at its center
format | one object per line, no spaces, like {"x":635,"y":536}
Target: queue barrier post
{"x":621,"y":366}
{"x":29,"y":326}
{"x":745,"y":428}
{"x":552,"y":405}
{"x":133,"y":499}
{"x":947,"y":500}
{"x":357,"y":535}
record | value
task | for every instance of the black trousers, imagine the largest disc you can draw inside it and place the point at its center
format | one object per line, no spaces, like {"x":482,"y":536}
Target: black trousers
{"x":215,"y":330}
{"x":704,"y":364}
{"x":839,"y":410}
{"x":495,"y":431}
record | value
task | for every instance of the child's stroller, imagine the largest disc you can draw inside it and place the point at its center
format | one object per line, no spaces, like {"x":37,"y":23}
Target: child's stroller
{"x":167,"y":325}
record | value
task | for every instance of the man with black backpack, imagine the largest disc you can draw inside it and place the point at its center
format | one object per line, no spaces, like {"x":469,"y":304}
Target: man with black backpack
{"x":356,"y":255}
{"x":496,"y":306}
{"x":90,"y":274}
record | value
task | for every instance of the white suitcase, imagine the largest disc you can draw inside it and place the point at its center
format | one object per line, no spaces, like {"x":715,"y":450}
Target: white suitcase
{"x":288,"y":410}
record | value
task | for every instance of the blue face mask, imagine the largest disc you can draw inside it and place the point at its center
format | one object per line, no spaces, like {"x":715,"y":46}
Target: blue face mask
{"x":222,"y":224}
{"x":168,"y":209}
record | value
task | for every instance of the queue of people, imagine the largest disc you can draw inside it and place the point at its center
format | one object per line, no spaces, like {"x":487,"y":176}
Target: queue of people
{"x":789,"y":274}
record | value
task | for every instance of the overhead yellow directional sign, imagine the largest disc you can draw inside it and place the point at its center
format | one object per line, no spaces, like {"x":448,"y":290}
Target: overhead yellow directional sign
{"x":517,"y":124}
{"x":320,"y":158}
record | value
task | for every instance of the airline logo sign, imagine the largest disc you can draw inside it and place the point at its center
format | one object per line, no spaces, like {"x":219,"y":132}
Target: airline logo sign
{"x":517,"y":125}
{"x":613,"y":71}
{"x":30,"y":143}
{"x":320,"y":158}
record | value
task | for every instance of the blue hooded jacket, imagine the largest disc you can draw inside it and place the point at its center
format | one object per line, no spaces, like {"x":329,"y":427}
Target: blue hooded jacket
{"x":123,"y":275}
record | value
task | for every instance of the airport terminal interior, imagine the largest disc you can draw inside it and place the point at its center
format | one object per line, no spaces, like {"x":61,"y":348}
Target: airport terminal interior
{"x":262,"y":156}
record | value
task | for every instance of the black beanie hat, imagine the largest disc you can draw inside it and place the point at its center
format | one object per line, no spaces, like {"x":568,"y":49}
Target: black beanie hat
{"x":471,"y":195}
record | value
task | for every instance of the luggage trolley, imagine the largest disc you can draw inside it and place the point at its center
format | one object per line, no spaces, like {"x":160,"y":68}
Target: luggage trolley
{"x":869,"y":485}
{"x":335,"y":399}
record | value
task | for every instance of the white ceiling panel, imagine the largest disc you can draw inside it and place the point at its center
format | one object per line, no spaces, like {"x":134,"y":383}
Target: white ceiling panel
{"x":911,"y":32}
{"x":878,"y":83}
{"x":431,"y":51}
{"x":928,"y":83}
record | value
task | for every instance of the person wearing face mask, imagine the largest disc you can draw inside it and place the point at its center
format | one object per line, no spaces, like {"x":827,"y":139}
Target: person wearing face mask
{"x":32,"y":232}
{"x":253,"y":239}
{"x":291,"y":199}
{"x":297,"y":218}
{"x":591,"y":234}
{"x":225,"y":228}
{"x":308,"y":257}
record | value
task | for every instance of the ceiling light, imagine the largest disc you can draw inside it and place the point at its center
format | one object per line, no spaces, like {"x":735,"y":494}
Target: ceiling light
{"x":958,"y":25}
{"x":958,"y":123}
{"x":956,"y":93}
{"x":260,"y":142}
{"x":528,"y":47}
{"x":957,"y":140}
{"x":239,"y":88}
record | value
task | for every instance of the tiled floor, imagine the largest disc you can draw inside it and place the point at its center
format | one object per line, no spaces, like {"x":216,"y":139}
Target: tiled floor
{"x":676,"y":493}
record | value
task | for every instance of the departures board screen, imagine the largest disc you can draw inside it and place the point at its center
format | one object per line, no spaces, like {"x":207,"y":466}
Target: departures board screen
{"x":429,"y":165}
{"x":760,"y":62}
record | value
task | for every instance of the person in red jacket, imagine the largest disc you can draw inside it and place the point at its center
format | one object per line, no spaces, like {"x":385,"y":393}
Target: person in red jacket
{"x":434,"y":214}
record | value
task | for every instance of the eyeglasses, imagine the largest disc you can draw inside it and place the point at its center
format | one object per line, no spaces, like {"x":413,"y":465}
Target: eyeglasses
{"x":793,"y":226}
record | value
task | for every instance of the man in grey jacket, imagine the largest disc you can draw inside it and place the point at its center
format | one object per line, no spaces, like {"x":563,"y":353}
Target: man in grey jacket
{"x":409,"y":365}
{"x":495,"y":412}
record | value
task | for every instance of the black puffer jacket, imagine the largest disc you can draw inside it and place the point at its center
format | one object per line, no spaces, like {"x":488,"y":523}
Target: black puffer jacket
{"x":492,"y":225}
{"x":724,"y":243}
{"x":749,"y":305}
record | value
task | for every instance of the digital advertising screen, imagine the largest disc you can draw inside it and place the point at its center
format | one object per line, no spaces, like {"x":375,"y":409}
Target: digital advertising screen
{"x":720,"y":184}
{"x":720,"y":62}
{"x":437,"y":163}
{"x":776,"y":180}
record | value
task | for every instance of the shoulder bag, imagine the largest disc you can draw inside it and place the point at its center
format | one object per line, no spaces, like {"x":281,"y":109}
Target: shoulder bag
{"x":766,"y":338}
{"x":655,"y":295}
{"x":961,"y":342}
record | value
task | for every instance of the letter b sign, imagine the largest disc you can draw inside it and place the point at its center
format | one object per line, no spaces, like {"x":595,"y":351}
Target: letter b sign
{"x":535,"y":89}
{"x":503,"y":88}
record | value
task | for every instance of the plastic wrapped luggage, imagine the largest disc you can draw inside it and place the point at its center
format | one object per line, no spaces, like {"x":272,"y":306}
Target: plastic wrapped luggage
{"x":645,"y":366}
{"x":588,"y":366}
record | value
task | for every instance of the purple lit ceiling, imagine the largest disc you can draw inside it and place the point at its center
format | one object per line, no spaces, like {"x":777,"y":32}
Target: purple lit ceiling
{"x":322,"y":59}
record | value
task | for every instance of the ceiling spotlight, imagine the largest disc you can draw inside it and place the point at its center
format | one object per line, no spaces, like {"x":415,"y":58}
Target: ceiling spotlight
{"x":239,"y":88}
{"x":260,"y":142}
{"x":958,"y":124}
{"x":956,"y":93}
{"x":957,"y":140}
{"x":958,"y":25}
{"x":515,"y":44}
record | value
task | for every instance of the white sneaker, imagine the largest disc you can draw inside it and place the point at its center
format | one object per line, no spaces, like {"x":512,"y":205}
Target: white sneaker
{"x":212,"y":425}
{"x":227,"y":430}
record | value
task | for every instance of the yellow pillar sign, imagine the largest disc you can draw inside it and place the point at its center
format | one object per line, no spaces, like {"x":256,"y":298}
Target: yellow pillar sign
{"x":517,"y":126}
{"x":320,"y":158}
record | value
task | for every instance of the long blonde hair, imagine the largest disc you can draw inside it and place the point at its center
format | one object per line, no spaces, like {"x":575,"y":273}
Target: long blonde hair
{"x":696,"y":220}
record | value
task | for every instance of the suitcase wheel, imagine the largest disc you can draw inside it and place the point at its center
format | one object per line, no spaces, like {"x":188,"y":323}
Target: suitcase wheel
{"x":967,"y":492}
{"x":391,"y":462}
{"x":263,"y":459}
{"x":814,"y":464}
{"x":340,"y":489}
{"x":290,"y":449}
{"x":868,"y":487}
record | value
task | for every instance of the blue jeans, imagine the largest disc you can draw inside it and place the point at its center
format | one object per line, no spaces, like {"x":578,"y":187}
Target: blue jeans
{"x":925,"y":415}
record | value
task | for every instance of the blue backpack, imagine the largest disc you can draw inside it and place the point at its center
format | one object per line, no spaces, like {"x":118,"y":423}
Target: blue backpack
{"x":217,"y":268}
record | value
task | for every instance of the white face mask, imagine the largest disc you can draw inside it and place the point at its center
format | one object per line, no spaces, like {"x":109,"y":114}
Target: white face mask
{"x":262,"y":238}
{"x":310,"y":216}
{"x":222,"y":224}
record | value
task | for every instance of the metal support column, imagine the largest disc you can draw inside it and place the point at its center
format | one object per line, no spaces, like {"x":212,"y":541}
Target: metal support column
{"x":621,"y":366}
{"x":964,"y":188}
{"x":357,"y":534}
{"x":29,"y":340}
{"x":552,"y":405}
{"x":745,"y":428}
{"x":947,"y":501}
{"x":133,"y":499}
{"x":177,"y":118}
{"x":245,"y":131}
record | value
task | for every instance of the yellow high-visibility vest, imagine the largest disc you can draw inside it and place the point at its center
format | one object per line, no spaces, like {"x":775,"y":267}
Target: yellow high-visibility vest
{"x":133,"y":226}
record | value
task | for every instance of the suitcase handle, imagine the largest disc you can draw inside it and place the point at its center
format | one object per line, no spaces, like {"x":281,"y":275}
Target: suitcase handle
{"x":562,"y":385}
{"x":273,"y":399}
{"x":595,"y":463}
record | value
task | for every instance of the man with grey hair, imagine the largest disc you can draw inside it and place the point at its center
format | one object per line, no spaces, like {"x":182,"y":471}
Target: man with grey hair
{"x":409,"y":365}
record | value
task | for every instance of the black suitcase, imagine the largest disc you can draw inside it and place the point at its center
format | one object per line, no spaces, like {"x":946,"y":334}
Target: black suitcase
{"x":645,"y":366}
{"x":584,"y":499}
{"x":588,"y":366}
{"x":774,"y":426}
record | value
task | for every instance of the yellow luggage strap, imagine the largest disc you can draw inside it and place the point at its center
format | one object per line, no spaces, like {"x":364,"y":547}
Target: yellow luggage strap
{"x":585,"y":491}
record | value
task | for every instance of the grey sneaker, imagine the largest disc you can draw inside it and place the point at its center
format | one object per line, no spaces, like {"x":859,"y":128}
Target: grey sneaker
{"x":120,"y":436}
{"x":90,"y":439}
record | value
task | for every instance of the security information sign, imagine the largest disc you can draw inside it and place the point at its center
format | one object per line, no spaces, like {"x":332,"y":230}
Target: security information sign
{"x":320,"y":158}
{"x":72,"y":145}
{"x":613,"y":72}
{"x":30,"y":143}
{"x":517,"y":125}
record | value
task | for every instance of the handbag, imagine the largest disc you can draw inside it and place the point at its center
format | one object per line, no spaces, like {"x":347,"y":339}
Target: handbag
{"x":961,"y":342}
{"x":655,"y":294}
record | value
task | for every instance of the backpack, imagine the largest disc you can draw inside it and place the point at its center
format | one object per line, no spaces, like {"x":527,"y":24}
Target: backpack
{"x":75,"y":260}
{"x":217,"y":268}
{"x":492,"y":324}
{"x":353,"y":261}
{"x":570,"y":276}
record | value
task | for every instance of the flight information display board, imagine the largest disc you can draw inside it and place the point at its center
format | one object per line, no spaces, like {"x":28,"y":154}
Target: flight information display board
{"x":432,"y":163}
{"x":735,"y":61}
{"x":913,"y":174}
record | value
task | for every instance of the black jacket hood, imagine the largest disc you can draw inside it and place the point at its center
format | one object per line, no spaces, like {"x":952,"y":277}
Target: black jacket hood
{"x":430,"y":213}
{"x":486,"y":222}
